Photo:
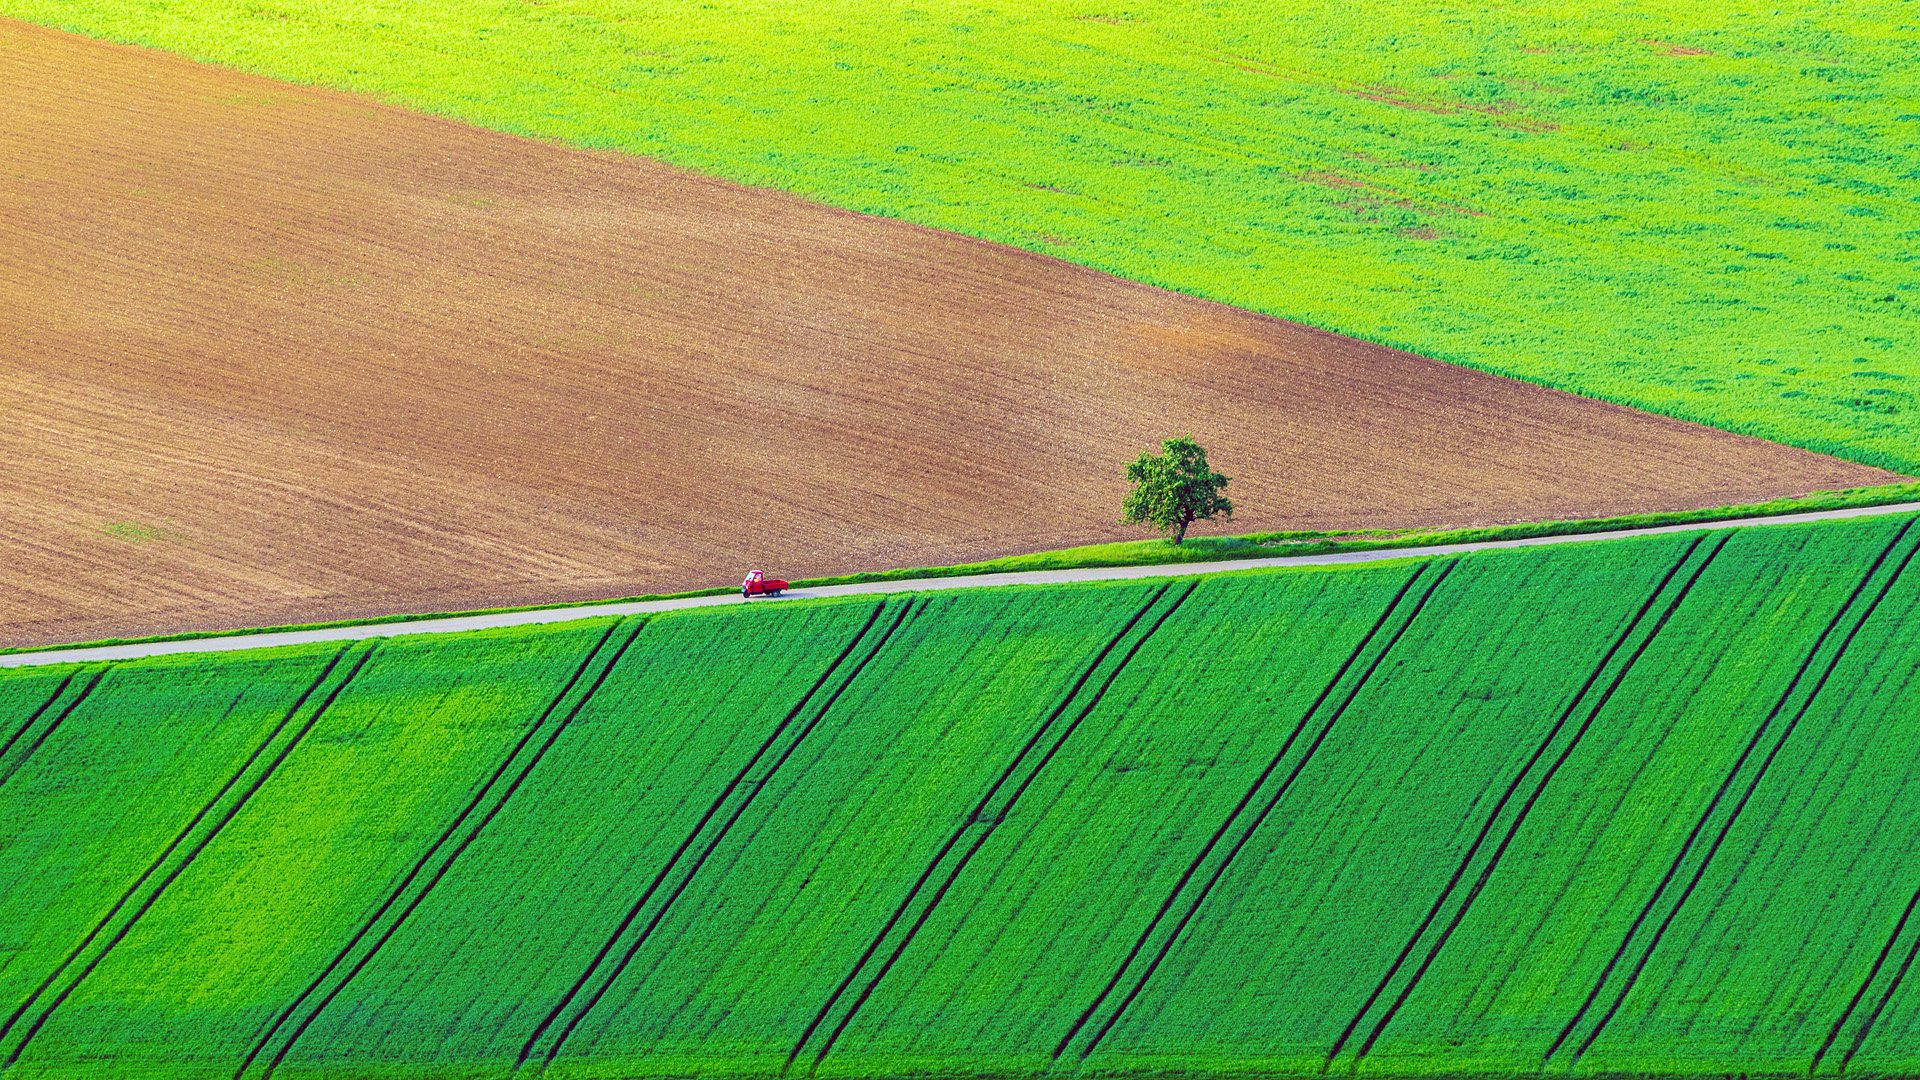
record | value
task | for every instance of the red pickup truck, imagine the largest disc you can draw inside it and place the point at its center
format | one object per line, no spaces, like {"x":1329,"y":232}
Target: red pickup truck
{"x":759,"y":584}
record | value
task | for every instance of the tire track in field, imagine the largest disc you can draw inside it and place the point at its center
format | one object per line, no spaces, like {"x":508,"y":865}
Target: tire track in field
{"x":199,"y":845}
{"x":33,"y":718}
{"x":986,"y":816}
{"x":11,"y":762}
{"x":1757,"y":774}
{"x":1900,"y":973}
{"x":1514,"y":822}
{"x":726,"y":808}
{"x":179,"y":838}
{"x":400,"y":891}
{"x":1358,"y":658}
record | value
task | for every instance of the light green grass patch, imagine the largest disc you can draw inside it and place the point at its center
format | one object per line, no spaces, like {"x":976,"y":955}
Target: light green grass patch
{"x":1706,"y":211}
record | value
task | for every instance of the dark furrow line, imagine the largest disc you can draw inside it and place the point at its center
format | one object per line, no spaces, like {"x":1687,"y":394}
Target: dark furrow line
{"x":746,"y":800}
{"x":1713,"y":804}
{"x":1252,"y":827}
{"x":34,"y":717}
{"x":1759,"y":774}
{"x":973,"y":817}
{"x":960,"y":866}
{"x":1526,"y":808}
{"x":714,"y":808}
{"x":1899,"y":976}
{"x":1353,"y":657}
{"x":179,"y":838}
{"x":181,"y":868}
{"x":426,"y":856}
{"x":719,"y":835}
{"x":9,"y":769}
{"x":1865,"y":984}
{"x":1092,"y":703}
{"x":1066,"y":701}
{"x":926,"y":912}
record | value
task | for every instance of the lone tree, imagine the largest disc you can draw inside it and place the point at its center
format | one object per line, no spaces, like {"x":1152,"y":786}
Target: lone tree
{"x":1174,"y":488}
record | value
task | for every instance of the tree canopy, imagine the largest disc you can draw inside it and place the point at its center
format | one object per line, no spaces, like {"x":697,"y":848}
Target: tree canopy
{"x":1174,"y":488}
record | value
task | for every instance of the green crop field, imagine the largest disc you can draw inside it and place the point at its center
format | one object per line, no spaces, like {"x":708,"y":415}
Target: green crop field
{"x":1705,"y":210}
{"x":1635,"y":806}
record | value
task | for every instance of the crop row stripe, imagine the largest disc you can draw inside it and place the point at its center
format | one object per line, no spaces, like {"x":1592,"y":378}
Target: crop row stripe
{"x":177,"y":866}
{"x":19,"y":748}
{"x":598,"y":659}
{"x":1391,"y":625}
{"x":180,"y":837}
{"x":1800,"y":702}
{"x":1627,"y":658}
{"x":726,"y":808}
{"x":986,"y":815}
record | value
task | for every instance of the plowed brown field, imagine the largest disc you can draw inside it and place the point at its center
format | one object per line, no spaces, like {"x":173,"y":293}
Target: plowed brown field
{"x":277,"y":354}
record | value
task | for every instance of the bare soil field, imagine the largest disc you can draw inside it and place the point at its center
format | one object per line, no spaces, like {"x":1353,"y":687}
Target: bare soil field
{"x":274,"y":354}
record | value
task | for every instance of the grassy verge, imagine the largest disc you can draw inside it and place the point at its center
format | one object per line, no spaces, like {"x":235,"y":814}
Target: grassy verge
{"x":1282,"y":545}
{"x":1155,"y":552}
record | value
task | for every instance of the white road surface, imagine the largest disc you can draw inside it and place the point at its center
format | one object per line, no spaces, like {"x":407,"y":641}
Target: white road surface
{"x":455,"y":624}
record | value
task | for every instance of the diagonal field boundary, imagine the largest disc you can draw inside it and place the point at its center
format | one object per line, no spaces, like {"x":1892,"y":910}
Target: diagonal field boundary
{"x":598,"y":660}
{"x":1794,"y":701}
{"x":187,"y":845}
{"x":19,"y":748}
{"x":1627,"y":648}
{"x":727,"y":807}
{"x":1211,"y":862}
{"x":985,"y":817}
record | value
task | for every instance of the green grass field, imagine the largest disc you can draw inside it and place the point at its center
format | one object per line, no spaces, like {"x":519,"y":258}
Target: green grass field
{"x":1638,"y":806}
{"x":1708,"y":211}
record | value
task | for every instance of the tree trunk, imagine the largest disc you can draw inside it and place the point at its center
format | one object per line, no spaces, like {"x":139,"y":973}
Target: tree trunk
{"x":1181,"y":533}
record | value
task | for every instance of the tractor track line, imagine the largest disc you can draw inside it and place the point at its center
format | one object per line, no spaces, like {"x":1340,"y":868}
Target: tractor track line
{"x":179,"y":838}
{"x":907,"y":612}
{"x":1253,"y":792}
{"x":693,"y":836}
{"x":1859,"y":995}
{"x":10,"y":767}
{"x":1766,"y":763}
{"x":181,"y":868}
{"x":34,"y":717}
{"x":394,"y":895}
{"x":1899,"y":976}
{"x":980,"y":816}
{"x":1733,"y":774}
{"x":973,"y":817}
{"x":1353,"y":656}
{"x":1526,"y":808}
{"x":1166,"y":947}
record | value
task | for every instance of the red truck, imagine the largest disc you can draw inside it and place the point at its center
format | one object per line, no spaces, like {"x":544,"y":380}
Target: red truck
{"x":759,"y":584}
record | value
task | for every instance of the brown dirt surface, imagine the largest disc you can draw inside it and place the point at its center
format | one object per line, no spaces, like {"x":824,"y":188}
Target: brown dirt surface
{"x":275,"y":354}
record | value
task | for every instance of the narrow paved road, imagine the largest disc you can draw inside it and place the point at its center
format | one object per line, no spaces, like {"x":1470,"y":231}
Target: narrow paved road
{"x":1036,"y":577}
